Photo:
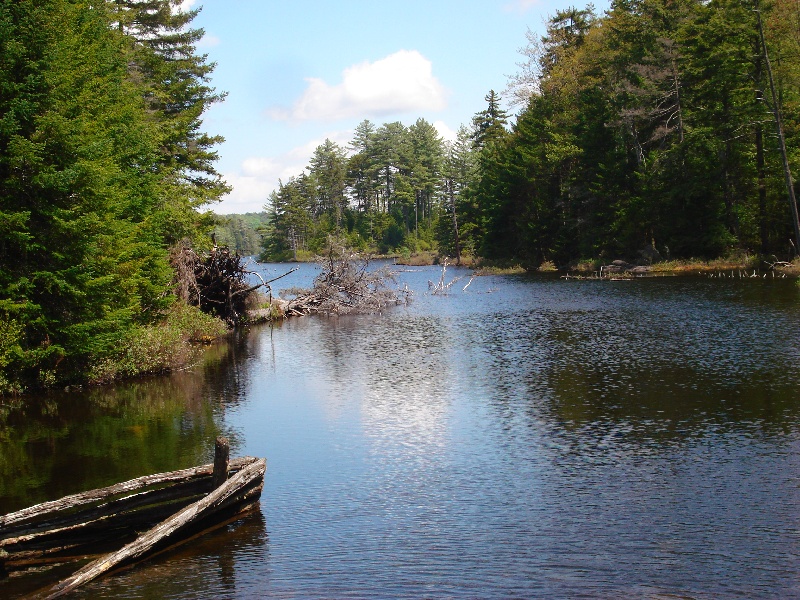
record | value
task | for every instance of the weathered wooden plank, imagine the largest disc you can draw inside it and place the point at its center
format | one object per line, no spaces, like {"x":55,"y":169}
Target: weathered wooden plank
{"x":96,"y":530}
{"x":213,"y":524}
{"x":83,"y":529}
{"x":81,"y":517}
{"x":250,"y":477}
{"x":47,"y":510}
{"x":222,"y":451}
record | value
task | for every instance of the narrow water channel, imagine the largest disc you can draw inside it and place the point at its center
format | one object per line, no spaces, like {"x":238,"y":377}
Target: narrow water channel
{"x":527,"y":437}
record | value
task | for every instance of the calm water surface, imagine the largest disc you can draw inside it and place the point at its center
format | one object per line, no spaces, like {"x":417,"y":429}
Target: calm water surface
{"x":529,"y":437}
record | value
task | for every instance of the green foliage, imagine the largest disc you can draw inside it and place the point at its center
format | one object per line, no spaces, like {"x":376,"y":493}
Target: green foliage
{"x":386,"y":192}
{"x":641,"y":131}
{"x":10,"y":352}
{"x":644,"y":128}
{"x":102,"y":166}
{"x":241,"y":233}
{"x":169,"y":344}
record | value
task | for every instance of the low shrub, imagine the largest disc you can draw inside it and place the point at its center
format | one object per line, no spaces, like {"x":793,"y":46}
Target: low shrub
{"x":10,"y":351}
{"x":547,"y":266}
{"x":171,"y":344}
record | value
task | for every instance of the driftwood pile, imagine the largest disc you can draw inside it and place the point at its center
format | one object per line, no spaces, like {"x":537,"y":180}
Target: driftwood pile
{"x":347,"y":284}
{"x":215,"y":282}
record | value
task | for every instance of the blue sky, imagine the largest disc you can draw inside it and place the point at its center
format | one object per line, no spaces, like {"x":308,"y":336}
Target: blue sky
{"x":299,"y":71}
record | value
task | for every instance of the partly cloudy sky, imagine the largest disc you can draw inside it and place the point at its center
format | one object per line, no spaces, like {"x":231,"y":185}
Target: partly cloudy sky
{"x":301,"y":71}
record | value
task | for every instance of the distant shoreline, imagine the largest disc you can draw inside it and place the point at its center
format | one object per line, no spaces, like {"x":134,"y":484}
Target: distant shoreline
{"x":588,"y":267}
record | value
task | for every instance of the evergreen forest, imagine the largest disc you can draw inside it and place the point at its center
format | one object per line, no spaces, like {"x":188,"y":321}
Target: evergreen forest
{"x":241,"y":233}
{"x":104,"y":167}
{"x":647,"y":132}
{"x":651,"y":131}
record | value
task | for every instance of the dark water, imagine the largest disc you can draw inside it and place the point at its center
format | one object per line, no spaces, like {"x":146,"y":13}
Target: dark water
{"x":530,"y":437}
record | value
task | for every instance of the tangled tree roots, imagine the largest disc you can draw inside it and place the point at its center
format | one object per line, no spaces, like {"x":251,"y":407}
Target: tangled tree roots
{"x":215,"y":282}
{"x":346,"y":285}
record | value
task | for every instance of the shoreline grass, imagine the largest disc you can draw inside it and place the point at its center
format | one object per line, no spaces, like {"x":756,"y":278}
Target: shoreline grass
{"x":691,"y":266}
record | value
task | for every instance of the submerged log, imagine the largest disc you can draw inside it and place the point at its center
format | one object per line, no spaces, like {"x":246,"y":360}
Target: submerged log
{"x":228,"y":494}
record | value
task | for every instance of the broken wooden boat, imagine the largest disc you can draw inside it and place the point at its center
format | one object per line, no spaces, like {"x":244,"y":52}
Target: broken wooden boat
{"x":106,"y":524}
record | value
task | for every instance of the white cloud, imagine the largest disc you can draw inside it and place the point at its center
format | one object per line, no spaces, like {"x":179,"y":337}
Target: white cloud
{"x":208,"y":41}
{"x":249,"y":194}
{"x":401,"y":82}
{"x":444,"y":131}
{"x":186,"y":5}
{"x":260,"y":166}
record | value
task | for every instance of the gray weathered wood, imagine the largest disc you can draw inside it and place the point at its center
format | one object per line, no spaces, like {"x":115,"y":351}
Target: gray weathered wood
{"x":222,"y":451}
{"x":77,"y":524}
{"x":46,"y":509}
{"x":249,"y":478}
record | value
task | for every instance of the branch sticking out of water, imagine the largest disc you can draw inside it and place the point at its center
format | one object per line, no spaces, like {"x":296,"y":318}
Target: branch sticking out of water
{"x":441,"y":288}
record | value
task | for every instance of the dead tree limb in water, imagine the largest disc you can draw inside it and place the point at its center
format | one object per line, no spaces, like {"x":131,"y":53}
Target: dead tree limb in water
{"x":442,"y":288}
{"x":346,"y":285}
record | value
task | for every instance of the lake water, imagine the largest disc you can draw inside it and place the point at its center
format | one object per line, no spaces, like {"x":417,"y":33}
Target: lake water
{"x":529,"y":437}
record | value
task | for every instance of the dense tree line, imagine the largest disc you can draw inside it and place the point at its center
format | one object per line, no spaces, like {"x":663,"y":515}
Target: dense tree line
{"x":649,"y":130}
{"x":103,"y":166}
{"x":645,"y":132}
{"x":241,"y":233}
{"x":380,"y":192}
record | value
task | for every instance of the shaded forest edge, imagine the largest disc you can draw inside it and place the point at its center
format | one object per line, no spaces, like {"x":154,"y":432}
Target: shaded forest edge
{"x":244,"y":233}
{"x":104,"y":168}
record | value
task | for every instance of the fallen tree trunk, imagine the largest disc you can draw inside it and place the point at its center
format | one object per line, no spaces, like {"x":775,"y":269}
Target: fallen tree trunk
{"x":249,"y":478}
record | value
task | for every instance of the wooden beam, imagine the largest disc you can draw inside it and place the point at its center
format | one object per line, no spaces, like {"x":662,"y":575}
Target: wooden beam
{"x":222,"y":450}
{"x":249,"y":478}
{"x":45,"y":510}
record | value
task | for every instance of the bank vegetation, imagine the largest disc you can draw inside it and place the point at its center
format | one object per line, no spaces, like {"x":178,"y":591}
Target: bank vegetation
{"x":104,"y":166}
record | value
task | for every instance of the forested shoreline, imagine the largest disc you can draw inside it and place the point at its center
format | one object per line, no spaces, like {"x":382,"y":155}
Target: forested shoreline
{"x":103,"y":168}
{"x":645,"y":133}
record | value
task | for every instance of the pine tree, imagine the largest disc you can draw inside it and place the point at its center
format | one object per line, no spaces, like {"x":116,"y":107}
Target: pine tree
{"x":426,"y":167}
{"x":175,"y":83}
{"x":327,"y":173}
{"x":489,"y":125}
{"x":76,"y":181}
{"x":459,"y":175}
